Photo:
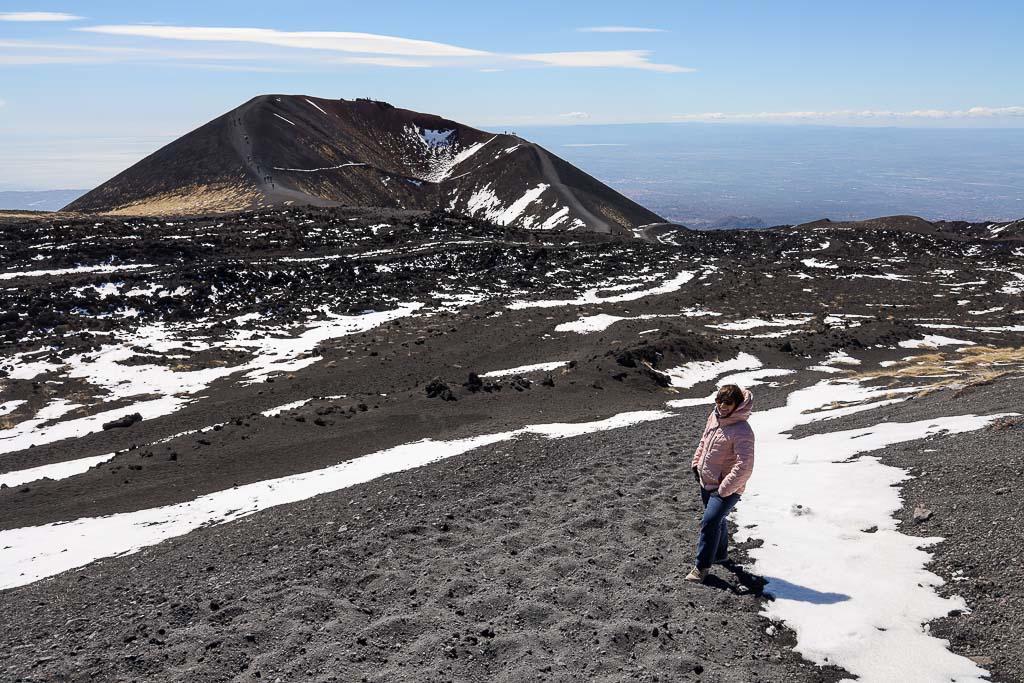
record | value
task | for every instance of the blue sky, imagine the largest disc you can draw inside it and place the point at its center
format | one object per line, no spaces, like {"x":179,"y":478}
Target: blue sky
{"x":94,"y":85}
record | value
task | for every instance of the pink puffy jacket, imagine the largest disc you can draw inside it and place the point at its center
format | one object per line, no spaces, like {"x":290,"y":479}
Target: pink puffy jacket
{"x":725,"y":455}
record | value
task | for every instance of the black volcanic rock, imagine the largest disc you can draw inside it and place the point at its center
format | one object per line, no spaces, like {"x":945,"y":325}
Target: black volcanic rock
{"x":903,"y":224}
{"x":278,"y":150}
{"x":122,"y":422}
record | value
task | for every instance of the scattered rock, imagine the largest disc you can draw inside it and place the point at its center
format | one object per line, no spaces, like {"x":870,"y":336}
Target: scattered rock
{"x":438,"y":389}
{"x":122,"y":422}
{"x":520,"y":383}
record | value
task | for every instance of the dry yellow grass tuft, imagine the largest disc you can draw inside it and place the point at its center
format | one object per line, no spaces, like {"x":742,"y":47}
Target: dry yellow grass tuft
{"x":966,"y":367}
{"x":190,"y":200}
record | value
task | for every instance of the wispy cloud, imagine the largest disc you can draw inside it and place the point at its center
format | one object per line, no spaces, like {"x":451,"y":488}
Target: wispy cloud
{"x":37,"y":59}
{"x":255,"y":68}
{"x":397,"y":62}
{"x":390,"y":51}
{"x":620,"y":29}
{"x":576,"y":115}
{"x":38,"y":16}
{"x":616,"y":59}
{"x":861,"y":115}
{"x":35,"y":52}
{"x":336,"y":41}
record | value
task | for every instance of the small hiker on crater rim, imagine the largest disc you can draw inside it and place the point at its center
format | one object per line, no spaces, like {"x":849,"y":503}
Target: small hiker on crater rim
{"x":722,"y":464}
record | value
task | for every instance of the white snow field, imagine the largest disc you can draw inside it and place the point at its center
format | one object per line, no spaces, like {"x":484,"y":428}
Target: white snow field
{"x":855,"y":599}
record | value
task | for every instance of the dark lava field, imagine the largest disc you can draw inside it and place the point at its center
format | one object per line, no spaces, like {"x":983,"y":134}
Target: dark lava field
{"x":337,"y":444}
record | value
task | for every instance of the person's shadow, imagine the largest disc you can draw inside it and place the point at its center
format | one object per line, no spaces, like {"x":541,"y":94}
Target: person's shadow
{"x":781,"y":589}
{"x":771,"y":588}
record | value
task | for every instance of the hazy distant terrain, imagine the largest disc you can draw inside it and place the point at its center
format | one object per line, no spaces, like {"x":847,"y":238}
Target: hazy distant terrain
{"x":718,"y":175}
{"x":699,"y":174}
{"x":43,"y":200}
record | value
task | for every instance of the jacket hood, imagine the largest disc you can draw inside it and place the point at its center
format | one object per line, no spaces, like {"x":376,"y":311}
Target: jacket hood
{"x":741,"y":412}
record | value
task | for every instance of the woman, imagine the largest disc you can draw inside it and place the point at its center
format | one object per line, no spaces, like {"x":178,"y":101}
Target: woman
{"x":721,"y":465}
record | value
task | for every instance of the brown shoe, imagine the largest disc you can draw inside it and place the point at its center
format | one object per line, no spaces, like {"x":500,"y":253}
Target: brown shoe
{"x":696,"y":575}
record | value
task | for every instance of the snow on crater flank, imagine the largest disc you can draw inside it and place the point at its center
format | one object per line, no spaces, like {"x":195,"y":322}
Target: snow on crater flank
{"x":314,"y":170}
{"x":555,"y":219}
{"x":482,"y":200}
{"x":436,"y":138}
{"x":318,"y":107}
{"x":486,"y":204}
{"x":441,"y":151}
{"x":283,"y":119}
{"x":518,"y":206}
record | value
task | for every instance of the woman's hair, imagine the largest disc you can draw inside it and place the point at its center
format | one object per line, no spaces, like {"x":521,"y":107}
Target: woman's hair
{"x":729,"y":393}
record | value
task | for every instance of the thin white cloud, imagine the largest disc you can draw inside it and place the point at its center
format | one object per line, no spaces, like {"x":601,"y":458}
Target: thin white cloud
{"x":337,"y":41}
{"x":234,"y":67}
{"x":398,"y":62}
{"x":34,"y":45}
{"x":615,"y":59}
{"x":393,"y":51}
{"x":861,"y":115}
{"x":576,"y":115}
{"x":620,"y":29}
{"x":594,"y":144}
{"x":30,"y":60}
{"x":38,"y":16}
{"x":27,"y":52}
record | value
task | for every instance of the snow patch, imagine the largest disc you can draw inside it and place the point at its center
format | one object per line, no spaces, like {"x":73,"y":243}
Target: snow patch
{"x":932,"y":341}
{"x":311,"y":102}
{"x":536,"y":367}
{"x":691,"y":374}
{"x":591,"y":295}
{"x":70,"y":271}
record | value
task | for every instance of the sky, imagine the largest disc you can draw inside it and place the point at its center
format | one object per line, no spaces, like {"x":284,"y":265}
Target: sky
{"x":96,"y":85}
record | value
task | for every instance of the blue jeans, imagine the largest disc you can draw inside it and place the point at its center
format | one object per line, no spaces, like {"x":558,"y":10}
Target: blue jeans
{"x":713,"y":545}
